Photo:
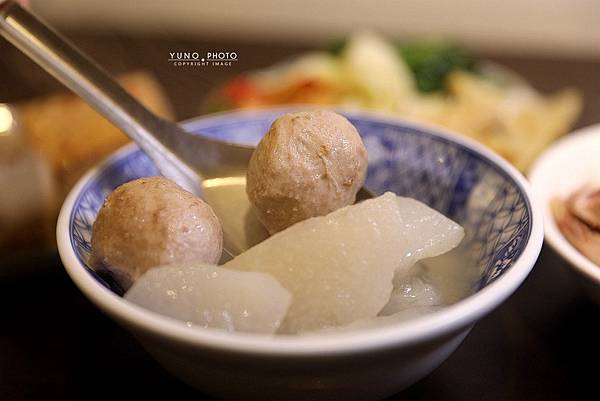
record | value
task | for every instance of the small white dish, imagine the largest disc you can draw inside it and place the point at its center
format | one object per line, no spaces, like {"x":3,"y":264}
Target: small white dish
{"x":563,"y":168}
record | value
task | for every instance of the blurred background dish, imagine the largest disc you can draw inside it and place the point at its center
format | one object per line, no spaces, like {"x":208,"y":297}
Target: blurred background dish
{"x":567,"y":166}
{"x":430,"y":81}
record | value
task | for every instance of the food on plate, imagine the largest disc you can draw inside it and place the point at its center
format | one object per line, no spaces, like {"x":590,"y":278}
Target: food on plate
{"x":152,"y":222}
{"x":339,"y":267}
{"x":211,"y":296}
{"x":308,"y":164}
{"x":578,"y":219}
{"x":433,"y":82}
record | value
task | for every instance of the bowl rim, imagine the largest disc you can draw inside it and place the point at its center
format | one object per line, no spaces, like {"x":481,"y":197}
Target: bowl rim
{"x":452,"y":318}
{"x":552,"y":234}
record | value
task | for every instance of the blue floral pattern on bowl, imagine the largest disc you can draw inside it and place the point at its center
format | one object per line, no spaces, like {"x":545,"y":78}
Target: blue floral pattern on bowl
{"x":406,"y":159}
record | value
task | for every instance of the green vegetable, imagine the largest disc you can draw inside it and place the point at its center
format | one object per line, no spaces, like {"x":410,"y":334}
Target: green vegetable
{"x":431,"y":62}
{"x":337,"y":46}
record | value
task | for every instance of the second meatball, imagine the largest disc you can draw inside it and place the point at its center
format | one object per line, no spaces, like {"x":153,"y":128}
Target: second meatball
{"x":309,"y":164}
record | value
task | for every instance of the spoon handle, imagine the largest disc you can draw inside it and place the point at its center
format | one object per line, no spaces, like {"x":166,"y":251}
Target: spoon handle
{"x":80,"y":74}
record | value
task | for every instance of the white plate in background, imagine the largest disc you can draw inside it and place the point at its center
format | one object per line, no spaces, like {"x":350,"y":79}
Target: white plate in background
{"x":561,"y":169}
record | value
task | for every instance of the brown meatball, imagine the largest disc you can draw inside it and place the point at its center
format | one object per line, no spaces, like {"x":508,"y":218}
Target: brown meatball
{"x":151,"y":222}
{"x":309,"y":164}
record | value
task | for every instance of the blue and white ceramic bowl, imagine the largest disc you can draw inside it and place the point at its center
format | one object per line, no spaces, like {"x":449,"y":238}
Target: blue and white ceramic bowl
{"x":455,"y":176}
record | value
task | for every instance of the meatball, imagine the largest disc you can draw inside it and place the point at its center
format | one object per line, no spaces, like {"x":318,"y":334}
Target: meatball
{"x":309,"y":164}
{"x":151,"y":222}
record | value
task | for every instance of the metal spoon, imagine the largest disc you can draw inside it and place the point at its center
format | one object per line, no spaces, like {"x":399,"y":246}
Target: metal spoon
{"x":189,"y":160}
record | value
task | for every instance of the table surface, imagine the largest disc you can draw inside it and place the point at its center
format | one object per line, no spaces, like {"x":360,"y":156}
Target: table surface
{"x":541,"y":344}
